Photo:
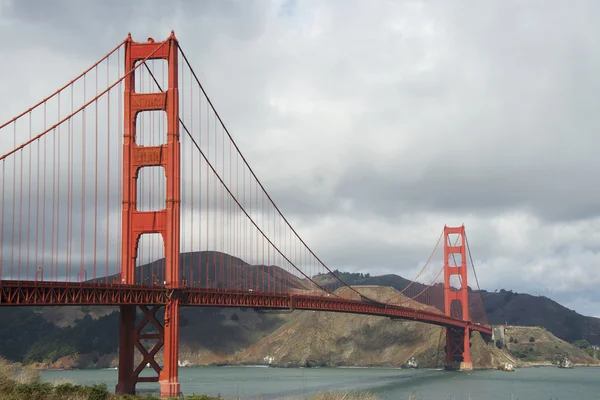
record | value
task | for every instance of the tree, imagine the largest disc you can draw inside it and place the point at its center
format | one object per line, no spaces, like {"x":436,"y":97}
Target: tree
{"x":511,"y":339}
{"x":582,"y":343}
{"x":531,"y":339}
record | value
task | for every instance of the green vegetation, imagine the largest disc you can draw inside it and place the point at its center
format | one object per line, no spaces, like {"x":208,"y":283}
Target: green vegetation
{"x":86,"y":336}
{"x":582,"y":344}
{"x":19,"y":383}
{"x":27,"y":337}
{"x":351,"y":276}
{"x":587,"y":347}
{"x":531,"y":339}
{"x":24,"y":384}
{"x":527,"y":354}
{"x":20,"y":328}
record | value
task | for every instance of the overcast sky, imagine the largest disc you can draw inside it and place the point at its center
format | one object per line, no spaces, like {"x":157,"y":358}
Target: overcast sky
{"x":373,"y":124}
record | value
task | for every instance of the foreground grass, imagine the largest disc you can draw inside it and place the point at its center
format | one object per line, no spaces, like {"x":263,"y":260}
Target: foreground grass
{"x":22,"y":383}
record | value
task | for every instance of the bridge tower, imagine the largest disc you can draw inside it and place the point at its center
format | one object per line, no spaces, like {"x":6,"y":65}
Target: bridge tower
{"x":456,"y":301}
{"x":165,"y":222}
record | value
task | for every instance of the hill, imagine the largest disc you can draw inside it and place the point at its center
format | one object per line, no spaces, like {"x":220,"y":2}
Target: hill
{"x":52,"y":335}
{"x":217,"y":270}
{"x":208,"y":335}
{"x":337,"y":339}
{"x":537,"y":346}
{"x":508,"y":307}
{"x":527,"y":310}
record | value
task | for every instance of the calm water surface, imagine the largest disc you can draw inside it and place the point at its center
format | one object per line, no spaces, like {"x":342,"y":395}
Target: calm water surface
{"x":544,"y":383}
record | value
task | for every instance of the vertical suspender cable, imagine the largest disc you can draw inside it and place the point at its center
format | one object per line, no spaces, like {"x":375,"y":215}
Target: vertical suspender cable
{"x":108,"y":191}
{"x":83,"y":178}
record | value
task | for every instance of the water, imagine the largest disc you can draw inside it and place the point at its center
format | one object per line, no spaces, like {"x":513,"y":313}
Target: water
{"x":543,"y":383}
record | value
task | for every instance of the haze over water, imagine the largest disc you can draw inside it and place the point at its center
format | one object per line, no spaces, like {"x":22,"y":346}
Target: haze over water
{"x":543,"y":383}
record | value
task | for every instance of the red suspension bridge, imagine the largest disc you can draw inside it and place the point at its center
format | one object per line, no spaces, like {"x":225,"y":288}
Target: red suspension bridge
{"x":124,"y":187}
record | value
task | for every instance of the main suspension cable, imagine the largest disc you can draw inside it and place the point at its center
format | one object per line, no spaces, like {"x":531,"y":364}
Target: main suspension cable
{"x":224,"y":185}
{"x":258,"y":181}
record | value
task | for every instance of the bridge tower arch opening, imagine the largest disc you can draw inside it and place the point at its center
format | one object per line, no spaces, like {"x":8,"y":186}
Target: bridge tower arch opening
{"x":456,"y":298}
{"x":165,"y":221}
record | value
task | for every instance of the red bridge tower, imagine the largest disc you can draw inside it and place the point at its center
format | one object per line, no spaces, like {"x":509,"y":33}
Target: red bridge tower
{"x":165,"y":222}
{"x":456,"y":301}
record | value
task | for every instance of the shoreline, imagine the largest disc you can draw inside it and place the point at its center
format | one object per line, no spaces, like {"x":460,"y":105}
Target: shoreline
{"x":529,"y":365}
{"x":348,"y":383}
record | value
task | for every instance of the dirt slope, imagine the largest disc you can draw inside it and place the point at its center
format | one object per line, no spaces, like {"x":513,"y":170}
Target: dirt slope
{"x":328,"y":339}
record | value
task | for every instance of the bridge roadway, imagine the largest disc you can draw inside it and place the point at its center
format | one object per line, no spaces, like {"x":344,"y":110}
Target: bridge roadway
{"x":32,"y":293}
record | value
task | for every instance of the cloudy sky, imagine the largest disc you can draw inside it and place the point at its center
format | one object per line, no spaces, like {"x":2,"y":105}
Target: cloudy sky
{"x":374,"y":125}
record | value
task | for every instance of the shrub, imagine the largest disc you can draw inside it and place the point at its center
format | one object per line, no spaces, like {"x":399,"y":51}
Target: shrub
{"x":97,"y":392}
{"x":531,"y":339}
{"x":7,"y":371}
{"x":582,"y":343}
{"x":64,"y":390}
{"x":27,"y":375}
{"x":32,"y":391}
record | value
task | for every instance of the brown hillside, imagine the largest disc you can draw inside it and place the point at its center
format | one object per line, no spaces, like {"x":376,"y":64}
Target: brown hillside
{"x":219,"y":270}
{"x":545,"y":348}
{"x":328,"y":339}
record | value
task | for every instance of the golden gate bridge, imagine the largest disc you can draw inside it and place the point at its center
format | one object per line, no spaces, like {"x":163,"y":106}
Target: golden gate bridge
{"x":124,"y":187}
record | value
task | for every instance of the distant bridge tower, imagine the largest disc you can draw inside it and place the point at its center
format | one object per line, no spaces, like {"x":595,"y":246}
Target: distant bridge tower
{"x":456,"y":301}
{"x":164,"y":222}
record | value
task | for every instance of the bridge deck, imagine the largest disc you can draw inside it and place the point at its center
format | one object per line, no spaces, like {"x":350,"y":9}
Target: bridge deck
{"x":31,"y":293}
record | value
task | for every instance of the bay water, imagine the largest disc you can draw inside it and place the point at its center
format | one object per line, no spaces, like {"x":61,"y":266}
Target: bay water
{"x":543,"y":383}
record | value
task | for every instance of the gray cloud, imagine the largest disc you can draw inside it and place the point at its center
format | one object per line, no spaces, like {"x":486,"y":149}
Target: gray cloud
{"x":374,"y":127}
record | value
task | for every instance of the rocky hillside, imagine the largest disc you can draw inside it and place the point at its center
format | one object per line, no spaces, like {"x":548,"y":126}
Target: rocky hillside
{"x":334,"y":339}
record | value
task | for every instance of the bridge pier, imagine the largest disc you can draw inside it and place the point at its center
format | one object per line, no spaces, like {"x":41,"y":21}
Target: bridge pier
{"x":126,"y":380}
{"x":149,"y":333}
{"x":458,"y":350}
{"x":168,"y":377}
